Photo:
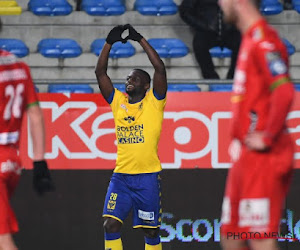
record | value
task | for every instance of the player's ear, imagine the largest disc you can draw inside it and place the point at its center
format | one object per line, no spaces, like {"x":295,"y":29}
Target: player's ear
{"x":147,"y":86}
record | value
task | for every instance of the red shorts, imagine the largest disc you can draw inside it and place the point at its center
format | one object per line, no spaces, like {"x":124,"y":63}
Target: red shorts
{"x":256,"y":188}
{"x":10,"y":170}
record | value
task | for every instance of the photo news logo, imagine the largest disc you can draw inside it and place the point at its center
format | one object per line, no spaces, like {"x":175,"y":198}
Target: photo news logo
{"x":258,"y":235}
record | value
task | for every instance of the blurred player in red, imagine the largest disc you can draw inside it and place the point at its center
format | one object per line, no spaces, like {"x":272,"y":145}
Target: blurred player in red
{"x":261,"y":150}
{"x":18,"y":96}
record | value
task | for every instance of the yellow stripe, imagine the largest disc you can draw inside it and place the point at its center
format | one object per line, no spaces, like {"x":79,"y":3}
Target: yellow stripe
{"x":111,"y":216}
{"x":279,"y":82}
{"x":142,"y":226}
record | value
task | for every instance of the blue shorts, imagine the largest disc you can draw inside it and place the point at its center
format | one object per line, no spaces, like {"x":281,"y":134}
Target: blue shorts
{"x":139,"y":192}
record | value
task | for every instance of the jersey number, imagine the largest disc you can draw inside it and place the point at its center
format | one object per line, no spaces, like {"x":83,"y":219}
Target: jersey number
{"x":14,"y":104}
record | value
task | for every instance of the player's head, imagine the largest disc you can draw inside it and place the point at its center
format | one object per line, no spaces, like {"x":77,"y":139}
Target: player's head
{"x":234,"y":9}
{"x":137,"y":82}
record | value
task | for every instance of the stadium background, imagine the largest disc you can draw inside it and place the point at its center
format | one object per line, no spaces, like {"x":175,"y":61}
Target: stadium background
{"x":70,"y":218}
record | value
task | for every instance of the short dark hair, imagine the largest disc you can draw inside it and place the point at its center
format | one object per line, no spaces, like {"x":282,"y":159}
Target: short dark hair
{"x":145,"y":74}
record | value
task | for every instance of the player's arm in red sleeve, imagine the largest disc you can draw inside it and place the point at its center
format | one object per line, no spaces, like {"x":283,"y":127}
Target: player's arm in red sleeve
{"x":274,"y":66}
{"x":35,"y":117}
{"x":42,"y":181}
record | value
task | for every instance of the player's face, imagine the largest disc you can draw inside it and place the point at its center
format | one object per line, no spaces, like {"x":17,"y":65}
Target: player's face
{"x":134,"y":84}
{"x":228,"y":9}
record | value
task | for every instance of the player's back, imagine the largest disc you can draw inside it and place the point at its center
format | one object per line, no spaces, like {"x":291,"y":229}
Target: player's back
{"x":16,"y":92}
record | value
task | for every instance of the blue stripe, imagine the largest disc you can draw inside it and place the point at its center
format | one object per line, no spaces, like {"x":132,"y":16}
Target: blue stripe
{"x":152,"y":241}
{"x":111,"y":97}
{"x":112,"y":236}
{"x":158,"y":97}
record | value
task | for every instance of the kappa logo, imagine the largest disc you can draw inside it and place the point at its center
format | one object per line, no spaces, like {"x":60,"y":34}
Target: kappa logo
{"x":184,"y":127}
{"x":129,"y":119}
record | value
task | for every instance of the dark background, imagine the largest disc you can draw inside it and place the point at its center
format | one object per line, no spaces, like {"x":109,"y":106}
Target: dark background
{"x":70,"y":218}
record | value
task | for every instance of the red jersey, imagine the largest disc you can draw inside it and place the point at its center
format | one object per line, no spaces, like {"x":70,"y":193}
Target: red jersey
{"x":262,"y":67}
{"x":16,"y":94}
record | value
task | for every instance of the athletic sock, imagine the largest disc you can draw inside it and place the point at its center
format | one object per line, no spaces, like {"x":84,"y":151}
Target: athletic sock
{"x":113,"y":241}
{"x":153,"y":243}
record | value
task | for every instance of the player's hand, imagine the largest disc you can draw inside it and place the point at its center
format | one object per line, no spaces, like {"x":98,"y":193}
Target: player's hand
{"x":255,"y":141}
{"x":115,"y":35}
{"x":42,"y":181}
{"x":133,"y":34}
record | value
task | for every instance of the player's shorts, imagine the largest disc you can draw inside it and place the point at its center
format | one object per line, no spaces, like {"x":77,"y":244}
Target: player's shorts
{"x":10,"y":170}
{"x":256,"y":187}
{"x":139,"y":192}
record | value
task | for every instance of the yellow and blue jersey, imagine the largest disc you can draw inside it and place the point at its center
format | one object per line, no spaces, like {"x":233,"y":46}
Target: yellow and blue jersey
{"x":138,"y":127}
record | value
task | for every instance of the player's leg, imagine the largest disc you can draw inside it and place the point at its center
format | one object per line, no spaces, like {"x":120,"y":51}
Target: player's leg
{"x":112,"y":235}
{"x":274,"y":186}
{"x":7,"y":243}
{"x":152,"y":239}
{"x":116,"y":208}
{"x":8,"y":221}
{"x":231,"y":244}
{"x":147,"y":208}
{"x":264,"y":244}
{"x":230,"y":234}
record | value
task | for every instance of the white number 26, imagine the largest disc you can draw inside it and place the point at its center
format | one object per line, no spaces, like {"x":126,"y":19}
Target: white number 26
{"x":14,"y":104}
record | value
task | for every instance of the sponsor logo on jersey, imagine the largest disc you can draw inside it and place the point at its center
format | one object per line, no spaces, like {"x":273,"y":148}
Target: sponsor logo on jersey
{"x":146,"y":215}
{"x":10,"y":166}
{"x":254,"y":212}
{"x":276,"y":64}
{"x":131,"y":134}
{"x":129,"y":119}
{"x":123,"y":106}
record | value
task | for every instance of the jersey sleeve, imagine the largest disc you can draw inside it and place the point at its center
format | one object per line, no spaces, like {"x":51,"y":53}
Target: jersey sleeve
{"x":158,"y":103}
{"x":272,"y":60}
{"x":31,"y":96}
{"x":117,"y":98}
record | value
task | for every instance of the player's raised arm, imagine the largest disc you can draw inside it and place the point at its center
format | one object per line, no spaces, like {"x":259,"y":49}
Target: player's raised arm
{"x":103,"y":79}
{"x":160,"y":77}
